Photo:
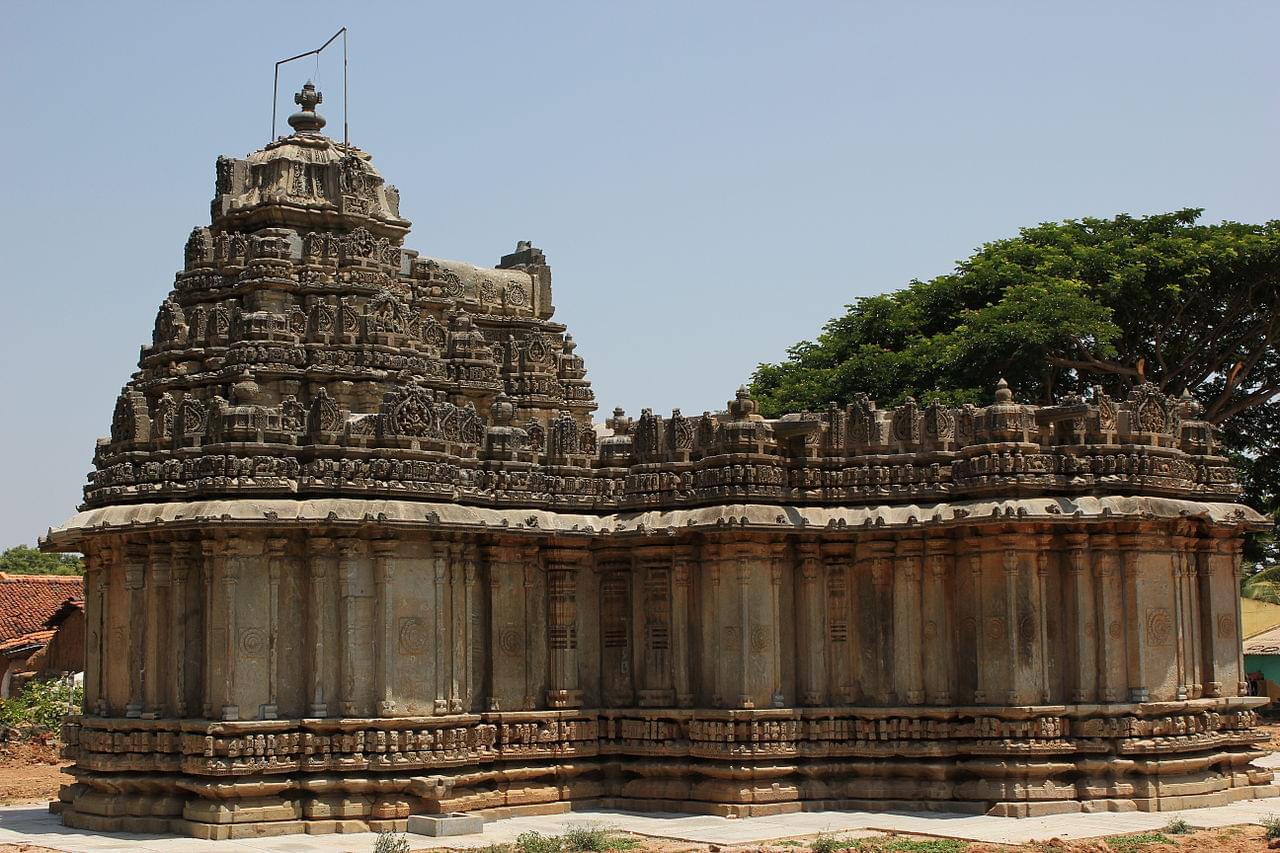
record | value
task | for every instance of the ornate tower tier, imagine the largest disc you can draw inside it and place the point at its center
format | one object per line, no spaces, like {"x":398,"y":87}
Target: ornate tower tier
{"x":354,"y":553}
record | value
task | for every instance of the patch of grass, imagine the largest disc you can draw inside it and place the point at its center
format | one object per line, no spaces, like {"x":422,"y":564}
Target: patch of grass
{"x":391,"y":842}
{"x":825,"y":843}
{"x":919,"y":845}
{"x":1271,"y":824}
{"x":596,"y":839}
{"x":790,"y":842}
{"x":536,"y":842}
{"x":1177,"y":826}
{"x":1130,"y":843}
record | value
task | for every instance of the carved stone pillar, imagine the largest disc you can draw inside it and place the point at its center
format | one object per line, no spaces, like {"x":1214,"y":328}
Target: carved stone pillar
{"x":457,"y":627}
{"x":711,"y":618}
{"x":1045,"y":558}
{"x":156,"y":671}
{"x":745,"y":699}
{"x":534,"y":625}
{"x":228,"y":578}
{"x":1181,"y":616}
{"x":440,"y":567}
{"x":208,"y":567}
{"x":837,"y":634}
{"x":320,"y":553}
{"x":982,"y":681}
{"x":135,"y":572}
{"x":384,"y":637}
{"x":655,"y":616}
{"x":810,"y":623}
{"x":908,"y":663}
{"x":1195,"y":639}
{"x":883,"y":610}
{"x":276,"y":549}
{"x":350,"y":552}
{"x":1110,"y":618}
{"x":562,"y":628}
{"x":1014,"y":695}
{"x":776,"y":571}
{"x":1080,"y":602}
{"x":97,"y":577}
{"x":1235,"y":546}
{"x":1135,"y":610}
{"x":472,"y":630}
{"x":181,"y":553}
{"x":938,"y":642}
{"x":680,"y":649}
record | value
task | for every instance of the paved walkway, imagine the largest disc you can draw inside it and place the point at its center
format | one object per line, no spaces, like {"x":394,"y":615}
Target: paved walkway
{"x":34,"y":825}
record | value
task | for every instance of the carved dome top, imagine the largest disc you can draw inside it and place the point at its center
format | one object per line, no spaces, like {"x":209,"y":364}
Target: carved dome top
{"x":306,"y":180}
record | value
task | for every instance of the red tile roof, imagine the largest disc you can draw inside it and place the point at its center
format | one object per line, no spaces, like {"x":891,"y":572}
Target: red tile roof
{"x":30,"y":642}
{"x":27,"y":601}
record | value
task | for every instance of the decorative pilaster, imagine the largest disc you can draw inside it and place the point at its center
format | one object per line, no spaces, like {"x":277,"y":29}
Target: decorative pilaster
{"x":1110,"y":619}
{"x":745,"y":699}
{"x":1084,"y":682}
{"x":562,"y":628}
{"x":655,"y":573}
{"x":97,"y":579}
{"x":938,"y":656}
{"x":810,"y":622}
{"x":1195,"y":639}
{"x":276,"y":549}
{"x":1135,"y":611}
{"x":1044,"y":557}
{"x":534,"y":624}
{"x":181,"y":557}
{"x":1181,"y":616}
{"x":982,"y":688}
{"x":711,"y":618}
{"x":350,"y":551}
{"x":156,"y":673}
{"x":836,"y":639}
{"x":680,"y":649}
{"x":884,"y":613}
{"x":908,"y":663}
{"x":775,"y":629}
{"x":440,"y":568}
{"x":320,"y":553}
{"x":208,"y":566}
{"x":228,"y":580}
{"x":384,"y":636}
{"x":135,"y":572}
{"x":1014,"y":695}
{"x":471,"y":577}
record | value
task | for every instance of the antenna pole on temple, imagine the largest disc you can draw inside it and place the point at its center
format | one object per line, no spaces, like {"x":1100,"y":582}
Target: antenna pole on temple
{"x":275,"y":89}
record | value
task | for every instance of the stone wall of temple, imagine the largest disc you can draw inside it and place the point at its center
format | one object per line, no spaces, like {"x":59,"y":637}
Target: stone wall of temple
{"x":355,"y":551}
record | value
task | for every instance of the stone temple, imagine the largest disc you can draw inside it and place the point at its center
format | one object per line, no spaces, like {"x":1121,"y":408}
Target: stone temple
{"x":355,"y":552}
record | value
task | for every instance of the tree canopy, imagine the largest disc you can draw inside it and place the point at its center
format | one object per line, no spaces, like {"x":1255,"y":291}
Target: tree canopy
{"x":22,"y":560}
{"x":1063,"y":307}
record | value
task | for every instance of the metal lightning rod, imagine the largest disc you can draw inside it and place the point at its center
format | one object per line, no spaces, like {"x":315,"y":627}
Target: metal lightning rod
{"x":275,"y":91}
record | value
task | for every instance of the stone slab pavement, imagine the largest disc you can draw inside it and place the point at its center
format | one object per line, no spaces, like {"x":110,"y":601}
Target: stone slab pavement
{"x":35,"y":825}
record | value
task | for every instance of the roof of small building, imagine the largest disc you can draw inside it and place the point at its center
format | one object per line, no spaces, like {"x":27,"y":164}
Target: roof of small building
{"x":27,"y":602}
{"x":1266,"y":643}
{"x":26,"y":643}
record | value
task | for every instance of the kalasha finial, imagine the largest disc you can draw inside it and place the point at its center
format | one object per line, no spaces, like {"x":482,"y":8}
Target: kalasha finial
{"x":307,"y":120}
{"x":1003,"y":394}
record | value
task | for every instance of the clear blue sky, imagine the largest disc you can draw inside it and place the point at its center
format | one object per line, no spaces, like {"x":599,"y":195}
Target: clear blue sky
{"x":711,"y":181}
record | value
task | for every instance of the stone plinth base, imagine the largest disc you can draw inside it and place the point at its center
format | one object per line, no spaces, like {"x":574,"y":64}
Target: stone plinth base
{"x":247,"y":779}
{"x":446,"y":824}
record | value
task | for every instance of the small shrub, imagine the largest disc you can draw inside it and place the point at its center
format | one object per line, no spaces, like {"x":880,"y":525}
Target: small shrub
{"x":1271,"y":824}
{"x":41,"y":706}
{"x":595,"y":839}
{"x":920,"y":845}
{"x":536,"y":842}
{"x":1131,"y":843}
{"x":1177,"y":826}
{"x":391,"y":842}
{"x":825,"y":843}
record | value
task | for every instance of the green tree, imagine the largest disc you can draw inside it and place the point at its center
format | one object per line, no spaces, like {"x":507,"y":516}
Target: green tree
{"x":21,"y":560}
{"x":1066,"y":306}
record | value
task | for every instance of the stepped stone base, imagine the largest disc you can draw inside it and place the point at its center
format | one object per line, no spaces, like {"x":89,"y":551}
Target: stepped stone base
{"x":252,"y":779}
